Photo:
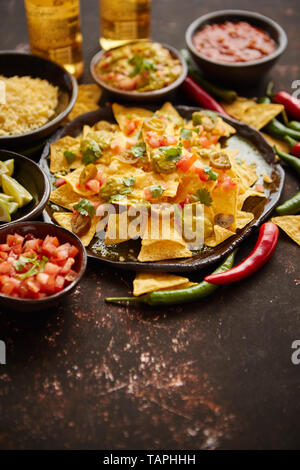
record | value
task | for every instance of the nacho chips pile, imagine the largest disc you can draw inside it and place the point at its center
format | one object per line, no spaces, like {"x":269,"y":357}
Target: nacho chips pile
{"x":153,"y":160}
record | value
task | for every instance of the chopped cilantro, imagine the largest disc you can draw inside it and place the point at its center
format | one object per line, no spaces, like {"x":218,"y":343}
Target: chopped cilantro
{"x":141,"y":64}
{"x":156,"y":191}
{"x":128,"y":181}
{"x":212,"y":175}
{"x":138,"y":150}
{"x":38,"y":265}
{"x":203,"y":196}
{"x":85,"y":207}
{"x":91,"y":152}
{"x":116,"y":197}
{"x":186,"y":134}
{"x":69,"y":156}
{"x":171,"y":152}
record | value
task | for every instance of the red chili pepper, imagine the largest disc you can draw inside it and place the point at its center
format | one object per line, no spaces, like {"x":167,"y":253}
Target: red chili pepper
{"x":263,"y":250}
{"x":201,"y":97}
{"x":291,"y":104}
{"x":296,"y":150}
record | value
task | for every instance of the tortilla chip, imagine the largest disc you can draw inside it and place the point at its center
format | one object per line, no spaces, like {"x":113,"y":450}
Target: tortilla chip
{"x":117,"y":229}
{"x":159,"y":250}
{"x":280,"y":144}
{"x":229,"y":130}
{"x":64,"y":196}
{"x":150,"y":282}
{"x":64,"y":220}
{"x":58,"y":161}
{"x":122,"y":114}
{"x":225,"y":201}
{"x":252,"y":113}
{"x":169,"y":110}
{"x":241,"y":198}
{"x":247,"y":173}
{"x":73,"y":179}
{"x":220,"y":235}
{"x":87,"y":100}
{"x":290,"y":224}
{"x":243,"y":218}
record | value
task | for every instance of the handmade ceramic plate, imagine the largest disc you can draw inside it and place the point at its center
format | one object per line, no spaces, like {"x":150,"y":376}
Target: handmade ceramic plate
{"x":254,"y":148}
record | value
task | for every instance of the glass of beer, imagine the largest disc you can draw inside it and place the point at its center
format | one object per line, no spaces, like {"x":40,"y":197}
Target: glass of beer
{"x":55,"y":33}
{"x":123,"y":21}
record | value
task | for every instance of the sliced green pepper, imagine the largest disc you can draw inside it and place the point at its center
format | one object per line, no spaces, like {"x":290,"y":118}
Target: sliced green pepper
{"x":180,"y":296}
{"x":290,"y":207}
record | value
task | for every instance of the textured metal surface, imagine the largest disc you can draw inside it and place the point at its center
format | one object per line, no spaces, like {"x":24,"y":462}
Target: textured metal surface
{"x":215,"y":374}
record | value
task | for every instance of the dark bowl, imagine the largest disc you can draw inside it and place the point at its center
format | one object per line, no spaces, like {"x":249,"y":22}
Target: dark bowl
{"x":238,"y":73}
{"x":32,"y":177}
{"x":145,"y":96}
{"x":21,"y":64}
{"x":41,"y":230}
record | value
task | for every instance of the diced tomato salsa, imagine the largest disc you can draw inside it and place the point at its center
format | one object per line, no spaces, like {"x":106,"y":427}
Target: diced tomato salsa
{"x":32,"y":268}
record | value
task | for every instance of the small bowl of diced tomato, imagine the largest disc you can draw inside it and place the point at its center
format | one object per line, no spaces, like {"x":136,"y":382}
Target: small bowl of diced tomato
{"x":40,"y":264}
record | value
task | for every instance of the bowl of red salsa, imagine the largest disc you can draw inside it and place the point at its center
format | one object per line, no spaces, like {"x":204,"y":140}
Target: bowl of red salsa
{"x":40,"y":264}
{"x":235,"y":46}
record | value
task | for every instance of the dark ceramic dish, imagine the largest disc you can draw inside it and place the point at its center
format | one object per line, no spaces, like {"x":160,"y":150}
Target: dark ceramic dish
{"x":21,"y":64}
{"x":41,"y":230}
{"x":261,"y":209}
{"x":146,"y":96}
{"x":29,"y":175}
{"x":239,"y":73}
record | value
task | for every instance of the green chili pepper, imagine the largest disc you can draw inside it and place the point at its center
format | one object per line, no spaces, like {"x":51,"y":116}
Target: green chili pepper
{"x":294,"y":125}
{"x":279,"y":130}
{"x":264,"y":100}
{"x":293,"y":162}
{"x":226,"y":95}
{"x":180,"y":296}
{"x":292,"y":142}
{"x":290,"y":207}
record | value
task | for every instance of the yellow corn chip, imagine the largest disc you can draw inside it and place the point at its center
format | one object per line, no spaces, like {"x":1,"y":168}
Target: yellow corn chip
{"x":220,"y":235}
{"x":117,"y":229}
{"x":244,"y":171}
{"x":243,"y":218}
{"x":169,"y":110}
{"x":280,"y":144}
{"x":158,"y":250}
{"x":64,"y":220}
{"x":241,"y":198}
{"x":122,"y":114}
{"x":87,"y":100}
{"x":150,"y":282}
{"x":252,"y":113}
{"x":64,"y":196}
{"x":290,"y":224}
{"x":58,"y":161}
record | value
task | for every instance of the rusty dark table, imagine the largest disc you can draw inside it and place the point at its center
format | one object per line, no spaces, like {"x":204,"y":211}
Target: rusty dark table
{"x":217,"y":374}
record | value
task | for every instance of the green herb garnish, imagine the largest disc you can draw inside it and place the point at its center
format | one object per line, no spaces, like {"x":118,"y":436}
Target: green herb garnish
{"x":156,"y":191}
{"x":85,"y":207}
{"x":212,"y":175}
{"x":91,"y":152}
{"x":138,"y":150}
{"x":141,"y":64}
{"x":38,"y":265}
{"x":203,"y":196}
{"x":171,"y":153}
{"x":69,"y":156}
{"x":128,"y":181}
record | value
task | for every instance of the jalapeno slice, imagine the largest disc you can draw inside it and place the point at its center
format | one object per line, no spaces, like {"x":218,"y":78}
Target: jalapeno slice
{"x":220,"y":160}
{"x":224,"y":220}
{"x":154,"y":124}
{"x":89,"y":172}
